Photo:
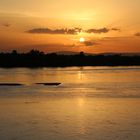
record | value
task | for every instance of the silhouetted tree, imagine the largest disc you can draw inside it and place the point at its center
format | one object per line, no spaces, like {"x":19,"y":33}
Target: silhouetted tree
{"x":82,"y":54}
{"x":14,"y":52}
{"x":35,"y":58}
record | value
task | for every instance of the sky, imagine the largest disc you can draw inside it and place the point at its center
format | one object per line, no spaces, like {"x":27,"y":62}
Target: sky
{"x":91,"y":26}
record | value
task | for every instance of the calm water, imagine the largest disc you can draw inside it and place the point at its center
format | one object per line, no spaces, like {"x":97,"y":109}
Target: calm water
{"x":100,"y":103}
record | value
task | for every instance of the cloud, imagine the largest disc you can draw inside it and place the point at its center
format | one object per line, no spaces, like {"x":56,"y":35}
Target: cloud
{"x":137,"y":34}
{"x":98,"y":31}
{"x":116,"y":29}
{"x":73,"y":31}
{"x":102,"y":30}
{"x":89,"y":43}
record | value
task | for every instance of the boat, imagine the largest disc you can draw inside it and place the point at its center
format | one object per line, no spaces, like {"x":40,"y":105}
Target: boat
{"x":49,"y":84}
{"x":10,"y":84}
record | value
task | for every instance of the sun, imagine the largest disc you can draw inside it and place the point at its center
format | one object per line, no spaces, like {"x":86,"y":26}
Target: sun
{"x":82,"y":39}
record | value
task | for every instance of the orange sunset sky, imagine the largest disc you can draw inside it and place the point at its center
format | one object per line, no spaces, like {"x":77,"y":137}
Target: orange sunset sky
{"x":93,"y":26}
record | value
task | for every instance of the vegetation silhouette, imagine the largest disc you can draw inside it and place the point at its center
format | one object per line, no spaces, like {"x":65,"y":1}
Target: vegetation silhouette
{"x":35,"y":58}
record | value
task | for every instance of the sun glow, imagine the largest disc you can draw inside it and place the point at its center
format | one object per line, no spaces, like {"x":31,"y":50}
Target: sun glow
{"x":82,"y":39}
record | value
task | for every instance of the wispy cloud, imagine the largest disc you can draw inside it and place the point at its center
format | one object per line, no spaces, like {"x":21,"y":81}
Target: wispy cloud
{"x":90,"y":43}
{"x":102,"y":30}
{"x":137,"y":34}
{"x":116,"y":29}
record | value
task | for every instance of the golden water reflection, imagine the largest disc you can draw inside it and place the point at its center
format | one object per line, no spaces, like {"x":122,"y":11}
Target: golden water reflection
{"x":75,"y":117}
{"x":91,"y":103}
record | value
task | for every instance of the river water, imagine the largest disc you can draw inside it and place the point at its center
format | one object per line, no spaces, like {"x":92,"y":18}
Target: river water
{"x":92,"y":103}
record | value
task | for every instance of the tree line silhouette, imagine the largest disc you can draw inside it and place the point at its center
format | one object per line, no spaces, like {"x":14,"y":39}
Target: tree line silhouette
{"x":35,"y":58}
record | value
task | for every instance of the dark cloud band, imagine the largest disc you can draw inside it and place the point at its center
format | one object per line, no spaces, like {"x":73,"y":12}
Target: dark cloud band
{"x":73,"y":31}
{"x":56,"y":31}
{"x":98,"y":31}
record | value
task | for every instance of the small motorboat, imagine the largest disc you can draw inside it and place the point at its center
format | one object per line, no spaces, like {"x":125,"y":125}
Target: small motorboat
{"x":49,"y":84}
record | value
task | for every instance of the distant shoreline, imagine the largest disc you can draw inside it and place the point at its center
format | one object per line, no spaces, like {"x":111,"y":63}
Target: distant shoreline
{"x":36,"y":59}
{"x":68,"y":66}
